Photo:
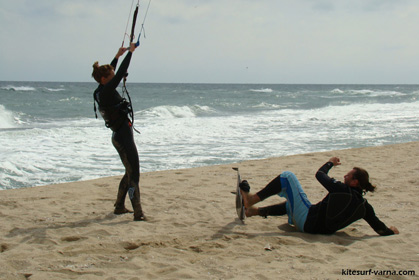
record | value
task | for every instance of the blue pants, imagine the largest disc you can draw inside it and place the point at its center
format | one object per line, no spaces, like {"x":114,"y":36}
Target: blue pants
{"x":297,"y":202}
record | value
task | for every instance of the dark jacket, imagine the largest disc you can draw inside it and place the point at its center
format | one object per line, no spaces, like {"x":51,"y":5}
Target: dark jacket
{"x":342,"y":206}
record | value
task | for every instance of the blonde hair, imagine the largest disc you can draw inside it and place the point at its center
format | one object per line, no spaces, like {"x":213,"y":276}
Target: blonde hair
{"x":101,"y":71}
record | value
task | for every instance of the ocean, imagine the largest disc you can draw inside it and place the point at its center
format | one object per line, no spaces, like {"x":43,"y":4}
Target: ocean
{"x":49,"y":134}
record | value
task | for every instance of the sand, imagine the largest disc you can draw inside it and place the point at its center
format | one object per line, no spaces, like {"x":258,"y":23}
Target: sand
{"x":69,"y":231}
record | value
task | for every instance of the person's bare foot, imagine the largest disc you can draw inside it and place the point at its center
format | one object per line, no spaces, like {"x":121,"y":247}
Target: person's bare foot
{"x":252,"y":211}
{"x":245,"y":196}
{"x":248,"y":199}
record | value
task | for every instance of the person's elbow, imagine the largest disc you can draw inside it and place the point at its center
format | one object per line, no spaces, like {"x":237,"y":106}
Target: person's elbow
{"x":319,"y":175}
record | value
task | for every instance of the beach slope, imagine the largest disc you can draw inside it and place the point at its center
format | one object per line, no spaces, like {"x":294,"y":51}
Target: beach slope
{"x":69,"y":231}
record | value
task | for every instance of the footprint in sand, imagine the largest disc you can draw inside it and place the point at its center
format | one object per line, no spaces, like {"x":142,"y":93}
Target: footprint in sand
{"x":72,"y":238}
{"x":4,"y":247}
{"x":130,"y":245}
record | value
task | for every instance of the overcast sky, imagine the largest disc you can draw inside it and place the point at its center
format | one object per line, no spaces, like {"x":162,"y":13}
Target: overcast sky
{"x":215,"y":41}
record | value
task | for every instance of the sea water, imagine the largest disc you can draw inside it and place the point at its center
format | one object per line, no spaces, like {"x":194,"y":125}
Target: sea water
{"x":49,"y":133}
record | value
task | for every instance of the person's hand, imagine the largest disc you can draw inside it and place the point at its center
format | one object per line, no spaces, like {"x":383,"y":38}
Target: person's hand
{"x":132,"y":47}
{"x":335,"y":161}
{"x":394,"y":229}
{"x":120,"y":52}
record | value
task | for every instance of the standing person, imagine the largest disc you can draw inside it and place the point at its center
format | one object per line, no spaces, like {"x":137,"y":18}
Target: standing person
{"x":115,"y":110}
{"x":343,"y":205}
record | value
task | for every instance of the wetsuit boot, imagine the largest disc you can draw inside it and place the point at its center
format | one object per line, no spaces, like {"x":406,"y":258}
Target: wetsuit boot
{"x":134,"y":195}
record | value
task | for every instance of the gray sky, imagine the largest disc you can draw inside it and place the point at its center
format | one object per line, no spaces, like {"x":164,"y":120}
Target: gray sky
{"x":215,"y":41}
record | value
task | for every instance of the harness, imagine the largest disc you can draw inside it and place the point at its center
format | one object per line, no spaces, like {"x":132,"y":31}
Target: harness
{"x":114,"y":115}
{"x":128,"y":104}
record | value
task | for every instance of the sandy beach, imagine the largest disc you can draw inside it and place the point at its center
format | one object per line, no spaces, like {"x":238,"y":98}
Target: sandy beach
{"x":69,"y":231}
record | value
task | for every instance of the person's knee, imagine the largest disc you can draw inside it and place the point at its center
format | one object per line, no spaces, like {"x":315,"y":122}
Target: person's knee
{"x":288,"y":175}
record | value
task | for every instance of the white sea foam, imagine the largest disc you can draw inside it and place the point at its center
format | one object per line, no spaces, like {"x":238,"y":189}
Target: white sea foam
{"x":81,"y":149}
{"x":61,"y":141}
{"x":388,"y":93}
{"x":376,"y":93}
{"x":55,"y":89}
{"x":19,"y":88}
{"x":267,"y":105}
{"x":7,"y":118}
{"x":57,"y":153}
{"x":267,"y":90}
{"x":168,"y":112}
{"x":361,"y":91}
{"x":336,"y":90}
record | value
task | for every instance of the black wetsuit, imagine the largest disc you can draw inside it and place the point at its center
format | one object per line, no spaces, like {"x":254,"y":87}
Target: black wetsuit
{"x":342,"y":206}
{"x":114,"y":110}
